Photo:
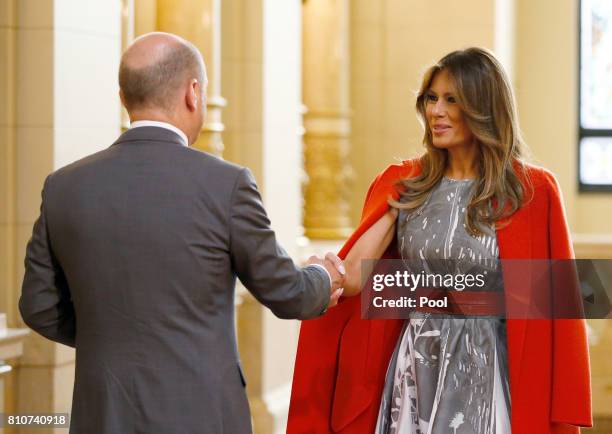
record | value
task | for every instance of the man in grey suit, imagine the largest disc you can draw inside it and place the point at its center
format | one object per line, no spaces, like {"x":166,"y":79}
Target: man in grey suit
{"x":134,"y":259}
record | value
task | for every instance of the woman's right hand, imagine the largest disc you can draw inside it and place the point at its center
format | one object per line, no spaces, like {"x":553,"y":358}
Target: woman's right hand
{"x":371,"y":245}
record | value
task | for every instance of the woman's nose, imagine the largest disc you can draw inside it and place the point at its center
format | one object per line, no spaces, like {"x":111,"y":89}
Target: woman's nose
{"x":439,"y":108}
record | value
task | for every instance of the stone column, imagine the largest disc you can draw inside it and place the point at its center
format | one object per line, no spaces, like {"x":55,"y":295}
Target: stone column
{"x":145,"y":16}
{"x":8,"y":60}
{"x":66,"y":107}
{"x":199,"y":21}
{"x":127,"y":36}
{"x":326,"y":95}
{"x":262,"y":82}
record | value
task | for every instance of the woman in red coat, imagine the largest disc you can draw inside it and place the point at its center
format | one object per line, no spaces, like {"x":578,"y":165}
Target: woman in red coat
{"x":470,"y":197}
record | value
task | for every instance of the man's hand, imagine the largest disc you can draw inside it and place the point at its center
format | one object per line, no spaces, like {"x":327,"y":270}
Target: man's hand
{"x":334,"y":266}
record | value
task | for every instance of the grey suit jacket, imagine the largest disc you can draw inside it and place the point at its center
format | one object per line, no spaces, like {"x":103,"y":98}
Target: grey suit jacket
{"x":133,"y":261}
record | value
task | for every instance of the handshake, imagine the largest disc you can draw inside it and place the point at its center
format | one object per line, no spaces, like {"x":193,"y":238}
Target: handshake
{"x":337,"y":273}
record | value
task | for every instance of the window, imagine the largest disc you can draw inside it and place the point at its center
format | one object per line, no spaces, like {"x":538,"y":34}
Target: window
{"x":595,"y":111}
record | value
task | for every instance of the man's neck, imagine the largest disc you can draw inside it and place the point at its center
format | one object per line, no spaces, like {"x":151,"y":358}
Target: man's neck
{"x":152,"y":115}
{"x":158,"y":116}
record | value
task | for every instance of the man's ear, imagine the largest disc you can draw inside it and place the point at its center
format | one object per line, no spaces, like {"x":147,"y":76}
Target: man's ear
{"x":192,"y":97}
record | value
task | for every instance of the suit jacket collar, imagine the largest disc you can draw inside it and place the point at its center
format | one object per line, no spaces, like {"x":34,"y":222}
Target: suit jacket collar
{"x":149,"y":134}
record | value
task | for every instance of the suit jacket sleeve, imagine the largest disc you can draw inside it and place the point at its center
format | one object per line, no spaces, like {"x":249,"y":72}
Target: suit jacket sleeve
{"x":571,"y":396}
{"x":264,"y":267}
{"x":45,"y":303}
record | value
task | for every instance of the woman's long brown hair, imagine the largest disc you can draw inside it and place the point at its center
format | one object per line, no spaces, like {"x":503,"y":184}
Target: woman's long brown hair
{"x":488,"y":104}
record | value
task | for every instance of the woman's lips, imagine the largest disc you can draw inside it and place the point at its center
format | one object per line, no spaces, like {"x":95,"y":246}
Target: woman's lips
{"x":440,"y":129}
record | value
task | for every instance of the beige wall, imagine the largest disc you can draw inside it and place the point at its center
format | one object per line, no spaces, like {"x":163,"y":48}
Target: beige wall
{"x":261,"y":82}
{"x":547,"y":87}
{"x":282,"y":160}
{"x":392,"y":43}
{"x":8,"y":60}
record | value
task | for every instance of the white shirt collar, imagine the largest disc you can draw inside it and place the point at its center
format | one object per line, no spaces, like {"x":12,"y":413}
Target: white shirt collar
{"x":182,"y":135}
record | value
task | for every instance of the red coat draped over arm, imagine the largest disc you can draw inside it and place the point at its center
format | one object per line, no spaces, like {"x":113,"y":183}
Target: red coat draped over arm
{"x":342,"y":359}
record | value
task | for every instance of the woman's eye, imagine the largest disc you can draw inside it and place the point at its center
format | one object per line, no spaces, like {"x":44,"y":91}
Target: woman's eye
{"x":431,"y":98}
{"x":452,"y":99}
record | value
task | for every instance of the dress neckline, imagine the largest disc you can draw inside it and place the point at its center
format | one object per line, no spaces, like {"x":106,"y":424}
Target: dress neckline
{"x":466,"y":180}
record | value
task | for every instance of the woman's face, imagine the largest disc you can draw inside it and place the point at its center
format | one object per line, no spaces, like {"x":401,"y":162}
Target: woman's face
{"x":444,"y":116}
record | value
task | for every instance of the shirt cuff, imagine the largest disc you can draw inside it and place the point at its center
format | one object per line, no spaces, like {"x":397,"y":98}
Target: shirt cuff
{"x":326,"y":272}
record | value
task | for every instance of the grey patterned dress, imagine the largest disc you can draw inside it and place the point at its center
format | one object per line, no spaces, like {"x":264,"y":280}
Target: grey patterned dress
{"x":447,"y":374}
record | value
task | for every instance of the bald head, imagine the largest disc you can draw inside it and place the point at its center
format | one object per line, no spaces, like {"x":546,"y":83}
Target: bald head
{"x":155,"y":68}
